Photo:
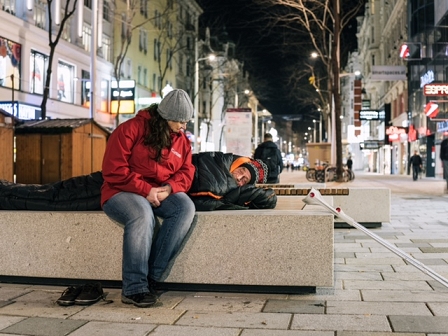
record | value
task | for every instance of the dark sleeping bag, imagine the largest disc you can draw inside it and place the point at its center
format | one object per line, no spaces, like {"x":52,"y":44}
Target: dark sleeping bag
{"x":80,"y":193}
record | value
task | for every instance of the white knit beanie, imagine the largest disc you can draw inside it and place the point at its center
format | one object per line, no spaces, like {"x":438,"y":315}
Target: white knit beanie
{"x":176,"y":106}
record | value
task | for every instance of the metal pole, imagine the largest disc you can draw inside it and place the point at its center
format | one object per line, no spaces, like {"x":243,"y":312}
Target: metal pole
{"x":315,"y":198}
{"x":196,"y":107}
{"x":12,"y":91}
{"x":196,"y":99}
{"x":93,"y":47}
{"x":333,"y":133}
{"x":256,"y":126}
{"x":320,"y":127}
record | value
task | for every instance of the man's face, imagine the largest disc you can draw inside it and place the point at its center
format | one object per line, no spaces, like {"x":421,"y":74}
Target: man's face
{"x":241,"y":175}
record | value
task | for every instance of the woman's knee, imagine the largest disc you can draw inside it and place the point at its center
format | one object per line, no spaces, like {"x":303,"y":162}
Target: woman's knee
{"x":186,"y":204}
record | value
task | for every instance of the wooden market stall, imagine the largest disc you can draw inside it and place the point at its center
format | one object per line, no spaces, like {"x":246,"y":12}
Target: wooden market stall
{"x":56,"y":149}
{"x":7,"y":122}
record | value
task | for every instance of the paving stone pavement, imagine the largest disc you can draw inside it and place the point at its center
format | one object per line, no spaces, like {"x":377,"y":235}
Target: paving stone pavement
{"x":375,"y":293}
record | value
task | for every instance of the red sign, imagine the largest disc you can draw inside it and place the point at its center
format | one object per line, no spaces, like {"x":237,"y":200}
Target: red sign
{"x":431,"y":109}
{"x":435,"y":89}
{"x":243,"y":109}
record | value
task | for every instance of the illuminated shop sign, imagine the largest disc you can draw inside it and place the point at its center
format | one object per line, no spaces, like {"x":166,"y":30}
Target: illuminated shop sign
{"x":371,"y":115}
{"x":440,"y":89}
{"x":126,"y":96}
{"x":371,"y":144}
{"x":22,"y":111}
{"x":427,"y":78}
{"x":396,"y":133}
{"x":442,"y":126}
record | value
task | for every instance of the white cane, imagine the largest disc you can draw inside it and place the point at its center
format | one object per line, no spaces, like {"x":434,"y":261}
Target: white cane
{"x":315,"y":198}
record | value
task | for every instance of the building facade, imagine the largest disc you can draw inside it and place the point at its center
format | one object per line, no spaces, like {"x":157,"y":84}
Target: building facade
{"x":383,"y":117}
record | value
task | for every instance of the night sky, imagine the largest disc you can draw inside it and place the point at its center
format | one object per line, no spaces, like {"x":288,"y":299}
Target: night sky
{"x":269,"y":53}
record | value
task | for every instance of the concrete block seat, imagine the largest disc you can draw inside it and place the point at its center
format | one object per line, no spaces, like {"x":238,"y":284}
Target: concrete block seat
{"x":284,"y":250}
{"x":367,"y":206}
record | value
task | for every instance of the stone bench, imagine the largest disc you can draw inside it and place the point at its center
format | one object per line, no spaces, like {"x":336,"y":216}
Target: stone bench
{"x":275,"y":249}
{"x":367,"y":206}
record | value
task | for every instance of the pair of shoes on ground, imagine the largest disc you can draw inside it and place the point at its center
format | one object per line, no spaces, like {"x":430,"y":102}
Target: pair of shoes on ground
{"x":142,"y":300}
{"x":81,"y":295}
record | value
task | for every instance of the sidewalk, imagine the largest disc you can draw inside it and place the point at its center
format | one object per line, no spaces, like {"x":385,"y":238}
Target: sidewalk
{"x":375,"y":293}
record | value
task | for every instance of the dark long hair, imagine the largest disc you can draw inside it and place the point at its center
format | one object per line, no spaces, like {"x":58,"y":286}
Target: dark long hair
{"x":157,"y":133}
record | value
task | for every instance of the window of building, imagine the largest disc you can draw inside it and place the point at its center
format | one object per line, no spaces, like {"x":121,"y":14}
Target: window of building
{"x":123,"y":26}
{"x":145,"y":77}
{"x":139,"y":74}
{"x":144,"y":8}
{"x":159,"y":83}
{"x":128,"y":69}
{"x":88,"y":3}
{"x":38,"y":71}
{"x":154,"y":78}
{"x":373,"y":59}
{"x":168,"y":58}
{"x":8,"y":6}
{"x":170,"y":29}
{"x":39,"y":13}
{"x":143,"y":41}
{"x":10,"y":63}
{"x":106,"y":48}
{"x":106,"y":10}
{"x":86,"y":36}
{"x":85,"y":88}
{"x":159,"y":51}
{"x":155,"y":49}
{"x":67,"y":28}
{"x":65,"y":80}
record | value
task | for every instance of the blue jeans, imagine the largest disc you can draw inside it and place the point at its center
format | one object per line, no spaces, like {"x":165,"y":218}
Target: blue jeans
{"x":143,"y":256}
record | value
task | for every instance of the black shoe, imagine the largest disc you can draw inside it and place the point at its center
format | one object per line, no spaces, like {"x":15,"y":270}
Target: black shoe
{"x":69,"y":295}
{"x":141,"y":300}
{"x":91,"y":292}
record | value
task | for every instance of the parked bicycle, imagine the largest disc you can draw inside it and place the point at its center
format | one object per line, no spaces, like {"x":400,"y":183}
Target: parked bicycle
{"x":327,"y":173}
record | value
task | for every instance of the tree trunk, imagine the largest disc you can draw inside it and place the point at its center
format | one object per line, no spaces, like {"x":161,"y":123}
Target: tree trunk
{"x":46,"y":95}
{"x":335,"y":59}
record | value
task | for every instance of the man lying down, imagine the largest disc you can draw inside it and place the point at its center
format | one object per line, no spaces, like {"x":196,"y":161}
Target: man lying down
{"x":222,"y":181}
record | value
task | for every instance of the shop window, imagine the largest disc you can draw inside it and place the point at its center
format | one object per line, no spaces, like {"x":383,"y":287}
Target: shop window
{"x":64,"y":84}
{"x":38,"y":72}
{"x":85,"y":91}
{"x":10,"y":56}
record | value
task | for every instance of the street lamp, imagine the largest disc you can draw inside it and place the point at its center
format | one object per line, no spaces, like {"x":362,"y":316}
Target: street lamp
{"x":314,"y":130}
{"x":210,"y":57}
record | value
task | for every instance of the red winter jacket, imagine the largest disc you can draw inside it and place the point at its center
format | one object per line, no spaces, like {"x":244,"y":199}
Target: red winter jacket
{"x":127,"y":165}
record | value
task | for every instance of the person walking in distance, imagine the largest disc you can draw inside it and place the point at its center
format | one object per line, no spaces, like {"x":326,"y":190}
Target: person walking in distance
{"x":147,"y":170}
{"x":269,"y":153}
{"x":416,"y":162}
{"x":349,"y":163}
{"x":444,"y":159}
